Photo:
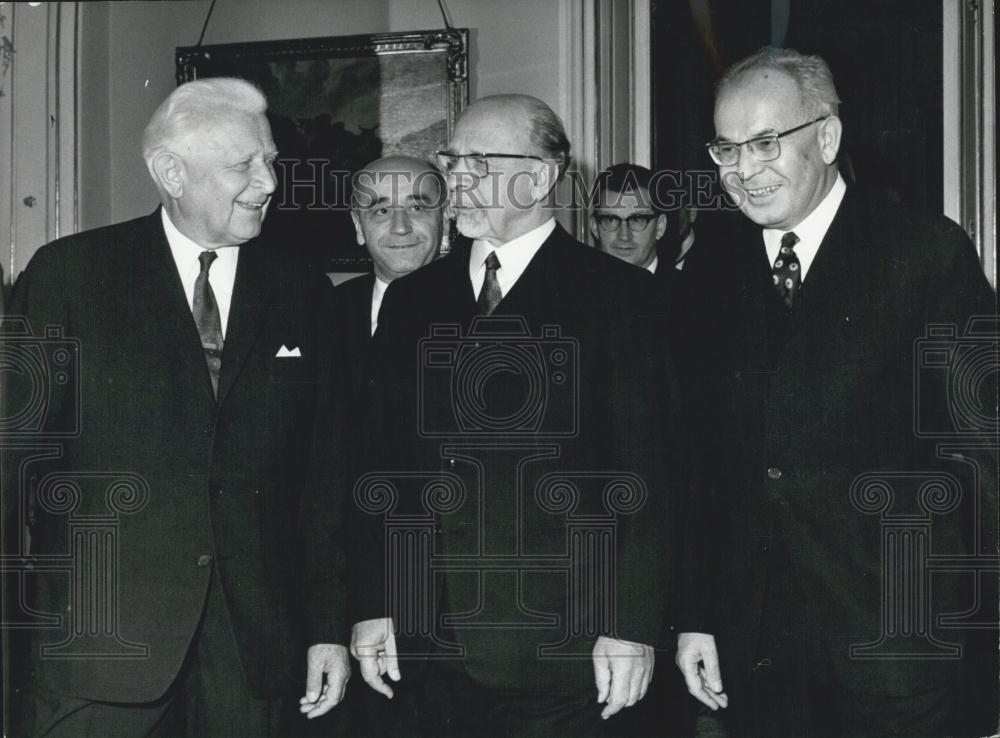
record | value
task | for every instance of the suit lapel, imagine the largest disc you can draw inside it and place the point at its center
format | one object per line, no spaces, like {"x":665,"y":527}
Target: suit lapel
{"x":251,"y":298}
{"x":463,"y":295}
{"x":536,"y":281}
{"x":838,"y":258}
{"x":159,"y":286}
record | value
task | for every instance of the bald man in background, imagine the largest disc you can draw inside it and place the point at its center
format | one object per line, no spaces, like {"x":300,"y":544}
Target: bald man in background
{"x":397,"y":207}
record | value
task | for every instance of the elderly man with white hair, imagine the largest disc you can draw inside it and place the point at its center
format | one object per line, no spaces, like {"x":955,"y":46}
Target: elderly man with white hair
{"x":178,"y":490}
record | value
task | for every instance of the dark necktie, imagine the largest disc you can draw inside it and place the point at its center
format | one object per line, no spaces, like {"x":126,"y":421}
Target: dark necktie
{"x":787,"y":272}
{"x":206,"y":317}
{"x":490,"y":295}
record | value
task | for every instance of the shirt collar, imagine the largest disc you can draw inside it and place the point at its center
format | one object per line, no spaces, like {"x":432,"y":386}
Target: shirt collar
{"x":811,"y":230}
{"x":378,"y":292}
{"x":515,"y":255}
{"x":185,"y":250}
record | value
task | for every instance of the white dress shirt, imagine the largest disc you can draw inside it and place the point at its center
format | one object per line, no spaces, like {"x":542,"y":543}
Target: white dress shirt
{"x":651,"y":266}
{"x":378,"y":292}
{"x":810,"y":231}
{"x":221,"y":275}
{"x":514,"y":257}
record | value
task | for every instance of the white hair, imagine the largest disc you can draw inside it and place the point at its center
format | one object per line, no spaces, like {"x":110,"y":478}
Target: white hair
{"x":811,"y":74}
{"x":196,"y":105}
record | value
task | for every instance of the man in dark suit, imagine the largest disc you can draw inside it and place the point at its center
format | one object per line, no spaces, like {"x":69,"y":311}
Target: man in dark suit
{"x":506,"y":421}
{"x":806,"y":576}
{"x":166,"y":471}
{"x":397,"y":207}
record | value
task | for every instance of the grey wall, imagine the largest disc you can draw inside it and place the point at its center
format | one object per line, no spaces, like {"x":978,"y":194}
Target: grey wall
{"x":127,"y":66}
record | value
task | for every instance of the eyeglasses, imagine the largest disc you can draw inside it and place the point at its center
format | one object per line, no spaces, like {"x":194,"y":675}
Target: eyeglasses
{"x":476,"y":161}
{"x":636,"y":223}
{"x":761,"y":148}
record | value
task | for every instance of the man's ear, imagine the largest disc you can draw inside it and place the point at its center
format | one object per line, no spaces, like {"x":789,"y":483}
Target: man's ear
{"x":594,"y":229}
{"x":169,"y":173}
{"x":544,"y":180}
{"x":661,"y":226}
{"x":357,"y":228}
{"x":829,"y":133}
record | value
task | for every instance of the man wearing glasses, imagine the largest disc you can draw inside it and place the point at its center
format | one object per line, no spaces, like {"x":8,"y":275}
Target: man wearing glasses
{"x":625,"y":222}
{"x":809,"y":393}
{"x":518,"y":641}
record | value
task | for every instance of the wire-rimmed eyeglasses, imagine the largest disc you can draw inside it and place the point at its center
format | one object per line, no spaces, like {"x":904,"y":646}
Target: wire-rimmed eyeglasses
{"x":476,"y":161}
{"x":761,"y":148}
{"x":637,"y":222}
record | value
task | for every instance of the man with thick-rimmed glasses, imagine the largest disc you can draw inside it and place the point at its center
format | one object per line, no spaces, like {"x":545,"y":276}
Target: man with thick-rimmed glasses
{"x":625,"y":221}
{"x":518,"y":639}
{"x":807,"y":567}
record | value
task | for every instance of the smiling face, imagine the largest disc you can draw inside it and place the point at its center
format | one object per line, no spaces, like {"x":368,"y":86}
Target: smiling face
{"x":636,"y":247}
{"x":224,"y":181}
{"x":779,"y":193}
{"x":397,"y":215}
{"x":507,"y":202}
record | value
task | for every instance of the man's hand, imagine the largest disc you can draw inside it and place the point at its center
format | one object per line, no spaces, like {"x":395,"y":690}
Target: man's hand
{"x":331,"y":661}
{"x":698,"y":660}
{"x":373,"y":644}
{"x":622,"y":670}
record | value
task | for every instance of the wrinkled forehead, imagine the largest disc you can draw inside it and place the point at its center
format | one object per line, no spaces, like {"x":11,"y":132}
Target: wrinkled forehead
{"x":398,"y":184}
{"x":763,"y":101}
{"x":493,"y":128}
{"x":227,"y":135}
{"x":631,"y":200}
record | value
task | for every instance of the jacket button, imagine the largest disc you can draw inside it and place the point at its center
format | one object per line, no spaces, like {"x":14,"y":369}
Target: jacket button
{"x":204,"y":560}
{"x":773,"y":472}
{"x":451,"y":463}
{"x":209,"y":430}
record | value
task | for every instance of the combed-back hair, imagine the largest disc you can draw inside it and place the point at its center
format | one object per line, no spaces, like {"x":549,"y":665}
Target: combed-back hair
{"x":548,"y":134}
{"x":624,"y":178}
{"x":811,"y":74}
{"x":198,"y":104}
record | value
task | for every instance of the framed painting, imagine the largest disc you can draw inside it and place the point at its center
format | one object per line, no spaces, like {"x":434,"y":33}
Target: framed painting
{"x":335,"y":104}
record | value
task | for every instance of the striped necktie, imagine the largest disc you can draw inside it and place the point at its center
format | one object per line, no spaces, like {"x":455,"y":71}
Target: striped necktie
{"x":207,"y":318}
{"x":490,"y":295}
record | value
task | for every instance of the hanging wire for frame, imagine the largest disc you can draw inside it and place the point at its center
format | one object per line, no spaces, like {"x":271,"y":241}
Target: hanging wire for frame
{"x":205,"y":25}
{"x":444,"y":14}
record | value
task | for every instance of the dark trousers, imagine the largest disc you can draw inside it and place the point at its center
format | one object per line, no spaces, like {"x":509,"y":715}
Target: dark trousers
{"x":792,"y":691}
{"x":455,"y":706}
{"x":209,"y":698}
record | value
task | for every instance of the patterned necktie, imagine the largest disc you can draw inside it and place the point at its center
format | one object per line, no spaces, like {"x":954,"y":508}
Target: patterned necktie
{"x":206,"y":317}
{"x":490,"y":295}
{"x":787,"y":272}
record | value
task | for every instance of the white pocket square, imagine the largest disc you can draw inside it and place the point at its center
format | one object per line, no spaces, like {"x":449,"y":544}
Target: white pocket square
{"x":285,"y":351}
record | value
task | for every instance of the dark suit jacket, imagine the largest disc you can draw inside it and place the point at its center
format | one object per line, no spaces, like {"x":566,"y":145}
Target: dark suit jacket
{"x":202,"y":478}
{"x":795,"y":408}
{"x":603,"y":389}
{"x":353,"y":306}
{"x":353,"y":300}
